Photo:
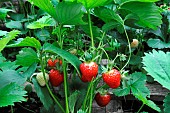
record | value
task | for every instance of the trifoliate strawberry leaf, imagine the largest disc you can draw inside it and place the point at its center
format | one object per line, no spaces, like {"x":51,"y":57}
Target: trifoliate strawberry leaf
{"x":24,"y":42}
{"x":64,"y":54}
{"x":8,"y":76}
{"x":11,"y":93}
{"x":157,"y":64}
{"x":137,"y":83}
{"x":157,"y":43}
{"x":42,"y":22}
{"x":69,"y":13}
{"x":4,"y":41}
{"x":167,"y":103}
{"x":43,"y":94}
{"x":149,"y":103}
{"x":26,"y":57}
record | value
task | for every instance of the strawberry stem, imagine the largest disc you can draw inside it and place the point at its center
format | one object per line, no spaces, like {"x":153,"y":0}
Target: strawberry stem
{"x":65,"y":85}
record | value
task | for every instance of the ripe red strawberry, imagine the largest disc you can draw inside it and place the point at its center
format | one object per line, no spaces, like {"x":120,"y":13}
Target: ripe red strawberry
{"x":112,"y":78}
{"x":102,"y":99}
{"x":88,"y":70}
{"x":52,"y":63}
{"x":56,"y":78}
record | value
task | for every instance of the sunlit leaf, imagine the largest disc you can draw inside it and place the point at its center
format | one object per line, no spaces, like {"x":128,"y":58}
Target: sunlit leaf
{"x":157,"y":43}
{"x":157,"y":64}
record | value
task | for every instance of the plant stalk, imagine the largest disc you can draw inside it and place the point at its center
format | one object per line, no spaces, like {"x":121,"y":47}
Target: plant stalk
{"x":90,"y":27}
{"x":65,"y":86}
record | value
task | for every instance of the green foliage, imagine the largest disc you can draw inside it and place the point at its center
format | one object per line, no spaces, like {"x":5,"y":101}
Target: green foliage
{"x":8,"y":65}
{"x":151,"y":19}
{"x":157,"y":43}
{"x":167,"y":103}
{"x":3,"y":33}
{"x":27,"y":57}
{"x":45,"y":5}
{"x":42,"y":22}
{"x":8,"y":76}
{"x":81,"y":111}
{"x":93,"y":3}
{"x":43,"y":94}
{"x":4,"y":41}
{"x":30,"y":71}
{"x":136,"y":84}
{"x":11,"y":93}
{"x":72,"y":100}
{"x":124,"y":1}
{"x":64,"y":54}
{"x":14,"y":25}
{"x":157,"y":64}
{"x":28,"y":41}
{"x":147,"y":102}
{"x":69,"y":13}
{"x":3,"y":13}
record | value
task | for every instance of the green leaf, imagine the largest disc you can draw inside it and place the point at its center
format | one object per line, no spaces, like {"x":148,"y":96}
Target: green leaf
{"x":148,"y":13}
{"x":28,"y":41}
{"x":30,"y":70}
{"x":149,"y":103}
{"x":11,"y":35}
{"x":14,"y":25}
{"x":3,"y":13}
{"x":3,"y":33}
{"x":137,"y":83}
{"x":27,"y":57}
{"x":124,"y":1}
{"x":42,"y":34}
{"x":121,"y":91}
{"x":81,"y":111}
{"x":157,"y":64}
{"x":42,"y":22}
{"x":93,"y":3}
{"x":167,"y":103}
{"x":72,"y":100}
{"x":8,"y":76}
{"x":64,"y":54}
{"x":70,"y":13}
{"x":8,"y":65}
{"x":113,"y":25}
{"x":43,"y":94}
{"x":95,"y":30}
{"x":11,"y":93}
{"x":157,"y":43}
{"x":2,"y":58}
{"x":45,"y":5}
{"x":107,"y":15}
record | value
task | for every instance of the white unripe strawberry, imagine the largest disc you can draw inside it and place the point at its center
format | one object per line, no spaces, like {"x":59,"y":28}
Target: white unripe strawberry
{"x":40,"y":78}
{"x":134,"y":43}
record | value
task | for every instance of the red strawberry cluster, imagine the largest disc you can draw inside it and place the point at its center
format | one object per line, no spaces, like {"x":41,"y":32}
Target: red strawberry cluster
{"x":56,"y":77}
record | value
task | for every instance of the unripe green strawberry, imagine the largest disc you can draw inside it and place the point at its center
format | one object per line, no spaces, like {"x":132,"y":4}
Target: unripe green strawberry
{"x":40,"y":78}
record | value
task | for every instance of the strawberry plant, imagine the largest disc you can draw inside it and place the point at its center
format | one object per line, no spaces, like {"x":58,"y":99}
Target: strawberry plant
{"x":60,"y":46}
